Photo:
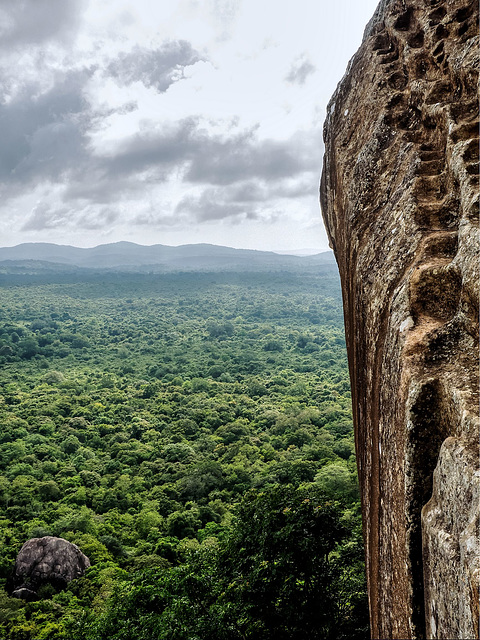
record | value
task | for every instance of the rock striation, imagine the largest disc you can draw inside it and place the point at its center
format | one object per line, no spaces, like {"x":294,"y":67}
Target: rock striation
{"x":43,"y":561}
{"x":399,"y":197}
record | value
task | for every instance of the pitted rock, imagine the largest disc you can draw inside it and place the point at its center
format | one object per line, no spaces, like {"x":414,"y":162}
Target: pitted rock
{"x":46,"y":560}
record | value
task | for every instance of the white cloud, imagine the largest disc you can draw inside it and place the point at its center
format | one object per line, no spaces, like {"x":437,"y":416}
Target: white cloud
{"x":158,"y":68}
{"x":300,"y":70}
{"x":177,"y":119}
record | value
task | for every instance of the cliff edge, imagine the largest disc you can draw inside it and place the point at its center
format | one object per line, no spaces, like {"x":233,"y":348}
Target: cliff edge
{"x":400,"y":201}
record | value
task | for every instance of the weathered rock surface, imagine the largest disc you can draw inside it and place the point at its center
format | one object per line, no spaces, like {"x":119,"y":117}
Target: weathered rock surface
{"x":400,"y":201}
{"x":46,"y":560}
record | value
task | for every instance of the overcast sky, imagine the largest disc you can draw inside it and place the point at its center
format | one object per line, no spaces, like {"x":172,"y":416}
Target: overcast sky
{"x":177,"y":121}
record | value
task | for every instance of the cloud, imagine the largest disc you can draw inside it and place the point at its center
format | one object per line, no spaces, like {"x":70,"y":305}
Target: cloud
{"x":262,"y":191}
{"x":44,"y":135}
{"x":242,"y":156}
{"x":97,"y":218}
{"x":299,"y":188}
{"x":250,"y":191}
{"x":233,"y":175}
{"x":46,"y":215}
{"x":300,"y":70}
{"x":225,"y":10}
{"x":160,"y":217}
{"x":224,"y":14}
{"x":187,"y":149}
{"x":213,"y":204}
{"x":158,"y":68}
{"x":52,"y":148}
{"x":33,"y":22}
{"x":250,"y":200}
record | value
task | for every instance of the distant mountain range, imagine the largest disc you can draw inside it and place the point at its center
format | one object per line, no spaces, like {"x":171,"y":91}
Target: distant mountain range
{"x":158,"y":257}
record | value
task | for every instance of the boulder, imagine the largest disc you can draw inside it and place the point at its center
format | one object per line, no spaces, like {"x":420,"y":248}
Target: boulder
{"x":42,"y":561}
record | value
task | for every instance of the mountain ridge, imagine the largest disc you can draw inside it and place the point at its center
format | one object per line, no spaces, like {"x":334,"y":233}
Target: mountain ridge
{"x":129,"y":255}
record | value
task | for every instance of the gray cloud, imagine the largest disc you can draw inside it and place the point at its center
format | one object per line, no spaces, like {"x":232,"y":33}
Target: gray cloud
{"x":44,"y":136}
{"x":299,"y":188}
{"x":45,"y":133}
{"x":158,"y":68}
{"x":299,"y":71}
{"x":213,"y":204}
{"x":97,"y":218}
{"x":243,"y":200}
{"x":250,"y":191}
{"x":159,"y":149}
{"x":262,"y":191}
{"x":243,"y":156}
{"x":32,"y":22}
{"x":157,"y":216}
{"x":148,"y":158}
{"x":46,"y":216}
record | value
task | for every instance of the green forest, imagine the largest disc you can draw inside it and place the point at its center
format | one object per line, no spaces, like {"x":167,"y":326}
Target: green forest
{"x":192,"y":434}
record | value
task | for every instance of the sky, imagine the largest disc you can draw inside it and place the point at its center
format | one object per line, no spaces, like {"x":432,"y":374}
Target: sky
{"x":172,"y":122}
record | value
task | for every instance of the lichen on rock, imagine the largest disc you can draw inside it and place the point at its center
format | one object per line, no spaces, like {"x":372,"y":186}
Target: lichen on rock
{"x":400,"y":199}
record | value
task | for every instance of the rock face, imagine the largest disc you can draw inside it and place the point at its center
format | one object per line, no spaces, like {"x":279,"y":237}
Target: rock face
{"x":43,"y":561}
{"x":400,"y":201}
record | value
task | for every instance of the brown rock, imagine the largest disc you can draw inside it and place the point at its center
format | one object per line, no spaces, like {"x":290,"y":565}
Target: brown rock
{"x":46,"y":560}
{"x":400,"y":201}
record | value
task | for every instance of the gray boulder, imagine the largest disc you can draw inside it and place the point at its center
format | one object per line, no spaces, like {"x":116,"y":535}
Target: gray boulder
{"x":43,"y":561}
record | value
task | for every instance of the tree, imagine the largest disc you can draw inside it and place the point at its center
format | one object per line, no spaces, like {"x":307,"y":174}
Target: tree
{"x":282,"y":563}
{"x":28,"y":348}
{"x":291,"y":567}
